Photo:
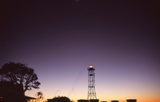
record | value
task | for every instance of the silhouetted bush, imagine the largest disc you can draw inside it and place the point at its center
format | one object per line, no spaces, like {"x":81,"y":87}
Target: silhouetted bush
{"x":59,"y":99}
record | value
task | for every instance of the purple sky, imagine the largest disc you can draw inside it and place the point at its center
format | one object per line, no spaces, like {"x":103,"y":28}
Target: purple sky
{"x":60,"y":38}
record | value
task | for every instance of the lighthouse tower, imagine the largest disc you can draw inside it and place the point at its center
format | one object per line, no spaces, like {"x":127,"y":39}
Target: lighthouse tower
{"x":91,"y":83}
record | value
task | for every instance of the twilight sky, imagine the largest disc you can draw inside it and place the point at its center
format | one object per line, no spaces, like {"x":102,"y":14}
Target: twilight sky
{"x":60,"y":38}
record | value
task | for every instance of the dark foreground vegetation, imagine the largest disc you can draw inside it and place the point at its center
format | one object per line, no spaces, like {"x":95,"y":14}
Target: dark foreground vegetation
{"x":15,"y":80}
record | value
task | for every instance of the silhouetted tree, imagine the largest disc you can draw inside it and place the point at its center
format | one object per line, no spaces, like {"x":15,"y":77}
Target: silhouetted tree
{"x":19,"y":73}
{"x":39,"y":96}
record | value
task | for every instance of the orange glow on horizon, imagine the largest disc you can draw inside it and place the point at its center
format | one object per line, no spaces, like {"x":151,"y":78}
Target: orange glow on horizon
{"x":141,"y":97}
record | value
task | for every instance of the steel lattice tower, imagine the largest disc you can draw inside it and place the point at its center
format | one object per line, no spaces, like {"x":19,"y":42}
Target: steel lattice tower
{"x":91,"y":83}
